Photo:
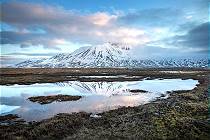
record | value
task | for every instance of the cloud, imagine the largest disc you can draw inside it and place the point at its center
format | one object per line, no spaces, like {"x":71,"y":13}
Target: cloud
{"x":102,"y":19}
{"x":196,"y":38}
{"x":177,"y":19}
{"x":157,"y":52}
{"x":65,"y":25}
{"x":31,"y":54}
{"x":9,"y":60}
{"x":194,"y":43}
{"x":152,"y":17}
{"x":27,"y":39}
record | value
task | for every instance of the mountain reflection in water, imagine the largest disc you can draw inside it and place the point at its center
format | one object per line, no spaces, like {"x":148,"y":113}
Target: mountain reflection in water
{"x":97,"y":96}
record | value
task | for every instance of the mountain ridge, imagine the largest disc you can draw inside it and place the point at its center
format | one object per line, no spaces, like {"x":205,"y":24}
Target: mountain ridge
{"x":107,"y":55}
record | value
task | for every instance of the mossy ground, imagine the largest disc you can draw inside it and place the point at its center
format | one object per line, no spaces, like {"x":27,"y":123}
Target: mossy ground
{"x":52,"y":98}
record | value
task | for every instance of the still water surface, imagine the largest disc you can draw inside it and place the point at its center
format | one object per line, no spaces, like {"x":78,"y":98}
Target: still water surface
{"x":96,"y":96}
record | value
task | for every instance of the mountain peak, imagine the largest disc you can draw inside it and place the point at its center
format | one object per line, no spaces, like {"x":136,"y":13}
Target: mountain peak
{"x":123,"y":46}
{"x":103,"y":55}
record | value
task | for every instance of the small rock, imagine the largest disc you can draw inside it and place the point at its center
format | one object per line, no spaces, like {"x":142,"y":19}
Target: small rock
{"x":137,"y":90}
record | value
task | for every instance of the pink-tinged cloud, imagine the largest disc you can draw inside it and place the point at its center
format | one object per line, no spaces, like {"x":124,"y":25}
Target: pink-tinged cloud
{"x":66,"y":25}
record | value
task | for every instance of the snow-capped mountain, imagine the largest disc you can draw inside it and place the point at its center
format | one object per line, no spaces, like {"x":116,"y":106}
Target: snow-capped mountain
{"x":107,"y":55}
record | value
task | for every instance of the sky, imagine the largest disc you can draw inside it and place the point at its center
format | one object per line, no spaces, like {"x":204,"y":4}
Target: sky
{"x":35,"y":29}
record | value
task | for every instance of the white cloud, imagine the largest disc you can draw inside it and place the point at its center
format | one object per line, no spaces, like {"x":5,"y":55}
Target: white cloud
{"x":102,"y":19}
